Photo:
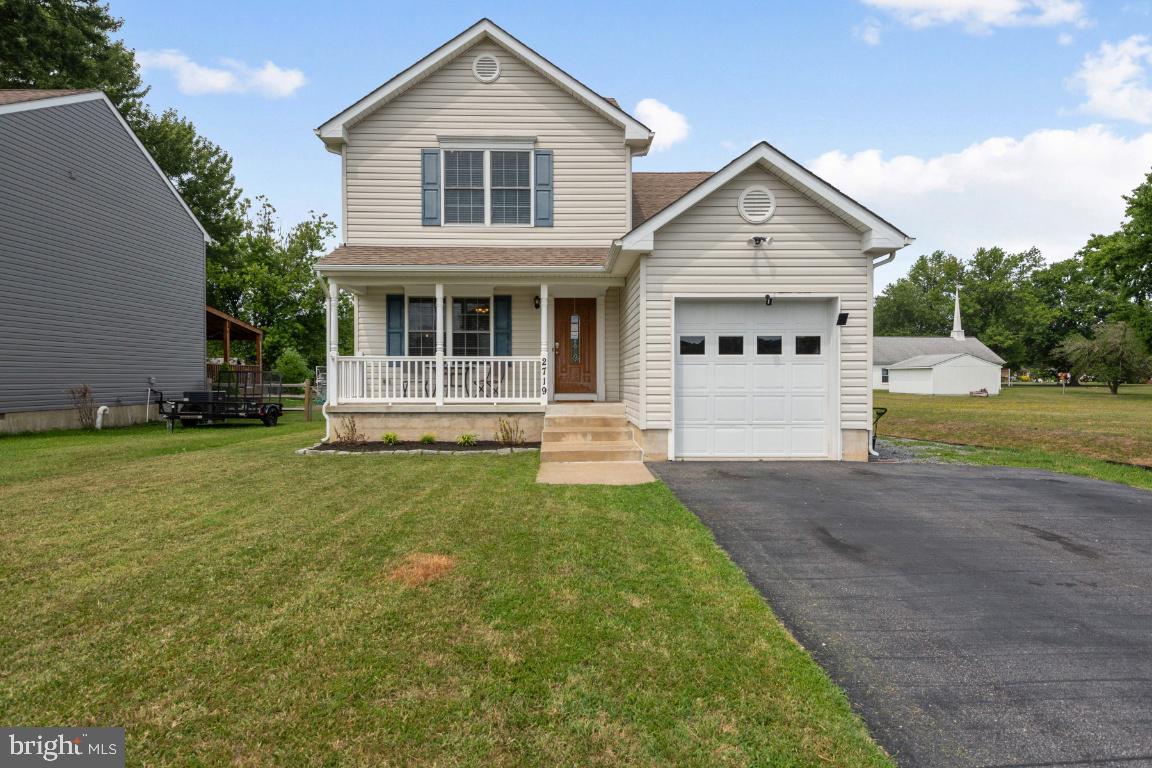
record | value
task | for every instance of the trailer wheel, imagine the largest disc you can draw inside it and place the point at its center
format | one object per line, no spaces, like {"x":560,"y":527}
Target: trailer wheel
{"x":269,"y":419}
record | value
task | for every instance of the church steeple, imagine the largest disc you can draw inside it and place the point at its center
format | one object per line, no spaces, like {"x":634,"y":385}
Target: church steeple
{"x":957,"y":329}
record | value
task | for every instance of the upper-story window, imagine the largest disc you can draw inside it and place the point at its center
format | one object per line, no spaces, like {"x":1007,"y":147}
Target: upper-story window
{"x":488,"y":187}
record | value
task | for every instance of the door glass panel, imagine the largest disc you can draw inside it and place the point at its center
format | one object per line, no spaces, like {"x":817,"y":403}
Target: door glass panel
{"x":574,"y":345}
{"x":807,"y":345}
{"x":691,"y":345}
{"x":731,"y":345}
{"x":769,"y":345}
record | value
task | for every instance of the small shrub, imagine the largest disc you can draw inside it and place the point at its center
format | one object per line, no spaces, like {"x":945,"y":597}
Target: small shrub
{"x":347,"y":430}
{"x":428,"y":439}
{"x":390,"y":438}
{"x":508,"y":432}
{"x":84,"y":404}
{"x":466,"y":439}
{"x":292,"y":366}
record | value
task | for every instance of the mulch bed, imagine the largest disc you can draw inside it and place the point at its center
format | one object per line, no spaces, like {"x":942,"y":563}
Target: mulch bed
{"x":486,"y":446}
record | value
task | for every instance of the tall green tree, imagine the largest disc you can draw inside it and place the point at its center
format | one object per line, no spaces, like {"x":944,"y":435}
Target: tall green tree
{"x":999,"y":304}
{"x":1077,"y":301}
{"x":68,"y":44}
{"x":920,"y":303}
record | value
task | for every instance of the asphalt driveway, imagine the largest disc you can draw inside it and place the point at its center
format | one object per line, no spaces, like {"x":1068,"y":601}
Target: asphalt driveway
{"x":976,"y":616}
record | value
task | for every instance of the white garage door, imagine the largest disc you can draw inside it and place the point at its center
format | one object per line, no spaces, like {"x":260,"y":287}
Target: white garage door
{"x":753,"y":380}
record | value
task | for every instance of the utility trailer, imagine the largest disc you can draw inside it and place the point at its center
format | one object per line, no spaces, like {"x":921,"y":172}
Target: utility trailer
{"x":244,"y":394}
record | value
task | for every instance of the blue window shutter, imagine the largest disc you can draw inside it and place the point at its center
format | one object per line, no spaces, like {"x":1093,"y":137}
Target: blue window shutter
{"x":502,"y":325}
{"x":430,"y":187}
{"x":395,"y":305}
{"x":543,"y":189}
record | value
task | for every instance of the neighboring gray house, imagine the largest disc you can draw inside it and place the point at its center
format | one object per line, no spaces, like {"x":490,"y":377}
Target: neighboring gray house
{"x":102,"y":264}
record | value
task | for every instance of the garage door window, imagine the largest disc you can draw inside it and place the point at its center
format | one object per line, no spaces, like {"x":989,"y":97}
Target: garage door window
{"x":769,"y":345}
{"x":807,"y":345}
{"x":731,"y":345}
{"x":691,"y":345}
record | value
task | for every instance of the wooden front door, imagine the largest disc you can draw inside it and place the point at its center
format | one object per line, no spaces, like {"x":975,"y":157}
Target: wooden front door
{"x":575,"y":346}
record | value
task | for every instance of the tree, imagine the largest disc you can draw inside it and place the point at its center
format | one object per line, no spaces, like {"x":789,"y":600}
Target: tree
{"x":1114,"y":354}
{"x":920,"y":303}
{"x":275,"y":283}
{"x":67,"y":44}
{"x":1126,"y":255}
{"x":293,"y":367}
{"x":1078,"y":301}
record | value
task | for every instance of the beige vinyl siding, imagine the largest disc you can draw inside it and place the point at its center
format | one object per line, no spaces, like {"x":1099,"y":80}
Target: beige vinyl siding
{"x":611,"y":355}
{"x":706,"y":251}
{"x":382,"y":157}
{"x":372,"y":321}
{"x":631,"y":359}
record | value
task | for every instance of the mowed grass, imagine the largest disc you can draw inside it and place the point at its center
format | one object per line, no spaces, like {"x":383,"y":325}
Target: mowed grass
{"x":231,"y":603}
{"x":1084,"y":421}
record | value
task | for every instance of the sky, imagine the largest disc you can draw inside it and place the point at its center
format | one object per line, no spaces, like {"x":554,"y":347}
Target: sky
{"x":966,"y":123}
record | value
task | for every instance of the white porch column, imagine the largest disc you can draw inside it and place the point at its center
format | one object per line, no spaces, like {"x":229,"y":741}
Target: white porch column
{"x":439,"y":344}
{"x":333,"y":341}
{"x":544,"y":344}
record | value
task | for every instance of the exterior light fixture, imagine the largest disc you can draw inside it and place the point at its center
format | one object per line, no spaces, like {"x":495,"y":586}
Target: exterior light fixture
{"x":842,"y":318}
{"x":767,"y":299}
{"x":536,"y":302}
{"x":759,"y":240}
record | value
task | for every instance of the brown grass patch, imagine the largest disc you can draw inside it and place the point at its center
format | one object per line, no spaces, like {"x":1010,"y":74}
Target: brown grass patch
{"x":420,"y":568}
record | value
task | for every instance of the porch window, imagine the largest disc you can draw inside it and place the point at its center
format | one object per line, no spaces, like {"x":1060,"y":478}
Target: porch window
{"x":471,"y":327}
{"x":511,"y":192}
{"x":463,"y":187}
{"x":421,"y":327}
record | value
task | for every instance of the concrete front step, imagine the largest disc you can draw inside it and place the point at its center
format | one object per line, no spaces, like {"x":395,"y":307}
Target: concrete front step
{"x":616,"y":450}
{"x":584,"y":409}
{"x":586,"y":434}
{"x":581,"y":422}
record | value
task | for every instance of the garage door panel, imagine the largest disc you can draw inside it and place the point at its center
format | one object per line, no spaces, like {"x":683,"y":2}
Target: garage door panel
{"x":694,"y":377}
{"x":769,"y":409}
{"x":770,"y":441}
{"x":808,"y":441}
{"x":695,"y":409}
{"x":809,"y":409}
{"x":768,"y":401}
{"x":730,"y":441}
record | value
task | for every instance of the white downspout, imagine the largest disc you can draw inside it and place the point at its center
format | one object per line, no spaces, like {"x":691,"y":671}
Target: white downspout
{"x":100,"y":412}
{"x":871,"y":436}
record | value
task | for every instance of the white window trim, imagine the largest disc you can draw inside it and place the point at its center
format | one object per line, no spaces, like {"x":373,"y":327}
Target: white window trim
{"x":407,"y":325}
{"x":451,"y":332}
{"x":488,"y":149}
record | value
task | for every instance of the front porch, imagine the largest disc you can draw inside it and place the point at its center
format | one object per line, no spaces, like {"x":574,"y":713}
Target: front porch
{"x":463,"y":347}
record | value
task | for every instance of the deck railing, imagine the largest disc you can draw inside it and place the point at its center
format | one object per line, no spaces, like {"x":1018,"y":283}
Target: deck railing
{"x":413,"y":380}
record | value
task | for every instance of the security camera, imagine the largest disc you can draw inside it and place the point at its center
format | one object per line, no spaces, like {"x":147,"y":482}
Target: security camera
{"x":759,"y":240}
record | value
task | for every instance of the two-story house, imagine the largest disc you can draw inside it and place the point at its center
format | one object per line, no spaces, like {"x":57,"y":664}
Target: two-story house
{"x":504,"y":258}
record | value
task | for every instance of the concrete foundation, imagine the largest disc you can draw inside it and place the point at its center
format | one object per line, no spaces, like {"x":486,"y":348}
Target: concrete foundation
{"x":854,"y":443}
{"x":654,"y":442}
{"x":444,"y":425}
{"x":67,"y":418}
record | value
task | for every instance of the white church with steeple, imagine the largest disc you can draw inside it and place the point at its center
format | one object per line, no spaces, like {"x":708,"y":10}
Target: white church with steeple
{"x":936,"y":365}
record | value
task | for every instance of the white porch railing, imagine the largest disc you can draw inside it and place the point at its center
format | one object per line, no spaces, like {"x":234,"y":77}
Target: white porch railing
{"x":413,"y":380}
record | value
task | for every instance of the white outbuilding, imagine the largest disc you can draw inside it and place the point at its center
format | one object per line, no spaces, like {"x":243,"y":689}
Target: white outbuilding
{"x":935,"y":365}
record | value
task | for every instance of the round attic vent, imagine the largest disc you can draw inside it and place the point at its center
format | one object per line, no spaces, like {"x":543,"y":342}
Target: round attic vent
{"x":757,"y":204}
{"x":486,"y":68}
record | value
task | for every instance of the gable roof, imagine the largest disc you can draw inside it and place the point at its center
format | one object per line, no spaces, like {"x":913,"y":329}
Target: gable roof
{"x":879,"y":235}
{"x":334,"y":131}
{"x":652,"y":192}
{"x":890,"y":350}
{"x":12,"y":101}
{"x":931,"y":361}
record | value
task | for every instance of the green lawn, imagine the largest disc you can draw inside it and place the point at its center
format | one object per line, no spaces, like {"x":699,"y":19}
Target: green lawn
{"x":231,"y":603}
{"x":1080,"y":431}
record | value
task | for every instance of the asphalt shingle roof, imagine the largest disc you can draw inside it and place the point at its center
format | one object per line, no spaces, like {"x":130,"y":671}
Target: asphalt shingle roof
{"x":889,"y":350}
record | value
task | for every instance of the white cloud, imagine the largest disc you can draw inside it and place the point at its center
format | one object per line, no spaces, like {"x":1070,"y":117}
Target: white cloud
{"x":1115,"y":80}
{"x":984,"y":15}
{"x":1065,"y":39}
{"x":670,"y":126}
{"x":1051,"y":189}
{"x":869,"y":32}
{"x":231,"y":76}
